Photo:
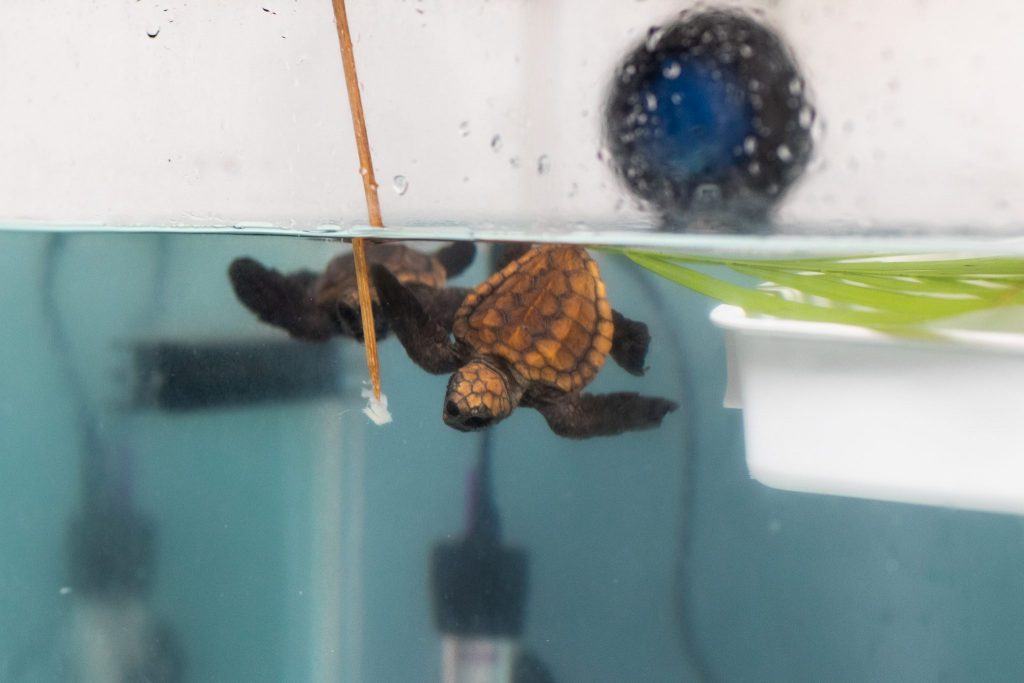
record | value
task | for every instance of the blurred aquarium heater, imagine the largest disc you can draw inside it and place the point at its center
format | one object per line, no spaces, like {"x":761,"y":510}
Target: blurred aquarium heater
{"x":479,"y":591}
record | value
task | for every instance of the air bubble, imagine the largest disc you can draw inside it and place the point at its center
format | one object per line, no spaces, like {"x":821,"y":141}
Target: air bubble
{"x":496,"y":143}
{"x":464,"y":129}
{"x":785,"y":153}
{"x":750,"y":144}
{"x":651,"y":102}
{"x":543,"y":164}
{"x":672,"y":70}
{"x":401,"y":184}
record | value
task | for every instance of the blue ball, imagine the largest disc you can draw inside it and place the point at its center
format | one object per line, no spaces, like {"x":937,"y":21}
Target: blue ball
{"x":709,"y":114}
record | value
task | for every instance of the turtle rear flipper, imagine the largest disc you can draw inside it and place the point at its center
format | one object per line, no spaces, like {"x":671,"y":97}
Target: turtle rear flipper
{"x":281,"y":300}
{"x":456,"y":257}
{"x":579,"y":416}
{"x":425,"y":339}
{"x":629,"y":343}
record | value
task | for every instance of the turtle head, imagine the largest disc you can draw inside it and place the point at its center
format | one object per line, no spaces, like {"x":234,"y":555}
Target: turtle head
{"x":479,"y":395}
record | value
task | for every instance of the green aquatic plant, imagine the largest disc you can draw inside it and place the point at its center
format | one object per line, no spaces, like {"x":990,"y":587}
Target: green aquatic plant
{"x":882,"y":292}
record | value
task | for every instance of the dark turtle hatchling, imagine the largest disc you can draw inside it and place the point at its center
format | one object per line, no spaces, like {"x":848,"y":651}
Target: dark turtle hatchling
{"x":534,"y":334}
{"x":317,"y":307}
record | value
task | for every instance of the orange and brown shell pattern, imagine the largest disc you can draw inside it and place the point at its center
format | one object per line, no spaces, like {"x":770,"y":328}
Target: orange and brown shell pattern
{"x":545,"y":314}
{"x":338,"y":281}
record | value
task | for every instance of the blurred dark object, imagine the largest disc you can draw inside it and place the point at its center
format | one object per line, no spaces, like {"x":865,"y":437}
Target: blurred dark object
{"x":111,"y":552}
{"x":709,"y":117}
{"x":184,"y":375}
{"x":479,"y":585}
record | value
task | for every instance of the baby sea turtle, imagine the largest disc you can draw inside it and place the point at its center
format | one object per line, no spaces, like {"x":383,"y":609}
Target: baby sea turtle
{"x":534,"y":334}
{"x":317,"y":307}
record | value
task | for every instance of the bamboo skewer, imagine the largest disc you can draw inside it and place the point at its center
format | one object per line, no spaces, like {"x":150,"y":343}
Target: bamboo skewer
{"x":355,"y":102}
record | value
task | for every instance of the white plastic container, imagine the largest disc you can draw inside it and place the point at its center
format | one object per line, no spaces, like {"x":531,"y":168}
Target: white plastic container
{"x":844,"y":410}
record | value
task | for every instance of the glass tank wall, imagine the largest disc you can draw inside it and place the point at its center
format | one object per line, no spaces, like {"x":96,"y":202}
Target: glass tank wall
{"x":186,"y":494}
{"x":290,"y":538}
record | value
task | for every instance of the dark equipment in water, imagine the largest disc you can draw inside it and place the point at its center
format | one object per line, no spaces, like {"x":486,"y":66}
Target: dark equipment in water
{"x":316,"y":307}
{"x":534,"y":334}
{"x":186,"y":375}
{"x":479,"y":590}
{"x":709,"y":116}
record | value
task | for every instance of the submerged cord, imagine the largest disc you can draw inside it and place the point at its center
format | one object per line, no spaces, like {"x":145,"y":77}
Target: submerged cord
{"x":691,"y":649}
{"x":482,"y":519}
{"x":92,"y":451}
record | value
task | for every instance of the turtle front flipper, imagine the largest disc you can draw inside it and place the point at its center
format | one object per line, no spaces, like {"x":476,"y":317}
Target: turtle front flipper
{"x":456,"y":257}
{"x":441,"y":304}
{"x":580,"y":416}
{"x":281,"y":300}
{"x":629,"y":343}
{"x":425,"y":339}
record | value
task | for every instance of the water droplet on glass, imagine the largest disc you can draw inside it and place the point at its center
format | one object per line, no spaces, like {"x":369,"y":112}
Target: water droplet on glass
{"x":654,"y":34}
{"x":513,"y":162}
{"x":806,"y":117}
{"x":496,"y":143}
{"x":543,"y":164}
{"x":464,"y":129}
{"x":672,"y":70}
{"x":651,"y":102}
{"x":676,"y":98}
{"x":707,"y":194}
{"x":65,"y":590}
{"x":746,"y":51}
{"x":785,"y":153}
{"x":750,"y":144}
{"x":796,"y":86}
{"x":401,"y":184}
{"x":754,"y":168}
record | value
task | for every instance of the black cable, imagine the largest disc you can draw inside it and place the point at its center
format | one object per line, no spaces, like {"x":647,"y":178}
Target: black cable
{"x":691,"y":648}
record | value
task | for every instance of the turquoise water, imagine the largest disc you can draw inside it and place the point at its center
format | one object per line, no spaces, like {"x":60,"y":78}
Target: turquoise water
{"x":292,"y":538}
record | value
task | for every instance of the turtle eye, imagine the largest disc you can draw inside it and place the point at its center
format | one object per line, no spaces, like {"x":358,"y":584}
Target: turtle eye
{"x":451,"y":408}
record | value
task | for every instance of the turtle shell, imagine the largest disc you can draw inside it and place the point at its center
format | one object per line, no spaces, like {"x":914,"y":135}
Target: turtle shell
{"x":545,"y":314}
{"x":338,"y":282}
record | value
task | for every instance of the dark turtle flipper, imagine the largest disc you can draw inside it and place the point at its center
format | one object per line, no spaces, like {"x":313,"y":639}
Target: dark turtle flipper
{"x":504,"y":253}
{"x":629,"y":343}
{"x":426,"y":341}
{"x":441,"y":304}
{"x":281,"y":300}
{"x":456,"y":257}
{"x":579,"y":416}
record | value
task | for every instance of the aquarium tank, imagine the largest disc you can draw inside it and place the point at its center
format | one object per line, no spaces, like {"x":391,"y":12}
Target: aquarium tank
{"x":511,"y":341}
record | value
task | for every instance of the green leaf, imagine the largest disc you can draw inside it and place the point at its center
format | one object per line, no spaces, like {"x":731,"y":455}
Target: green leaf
{"x":883,"y":292}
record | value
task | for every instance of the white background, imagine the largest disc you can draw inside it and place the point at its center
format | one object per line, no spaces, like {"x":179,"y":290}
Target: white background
{"x":235,"y":111}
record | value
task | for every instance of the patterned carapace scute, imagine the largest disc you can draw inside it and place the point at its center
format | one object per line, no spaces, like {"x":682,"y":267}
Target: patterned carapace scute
{"x":546,"y":315}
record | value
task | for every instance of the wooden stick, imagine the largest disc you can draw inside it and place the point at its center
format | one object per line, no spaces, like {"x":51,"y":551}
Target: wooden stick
{"x":355,"y":101}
